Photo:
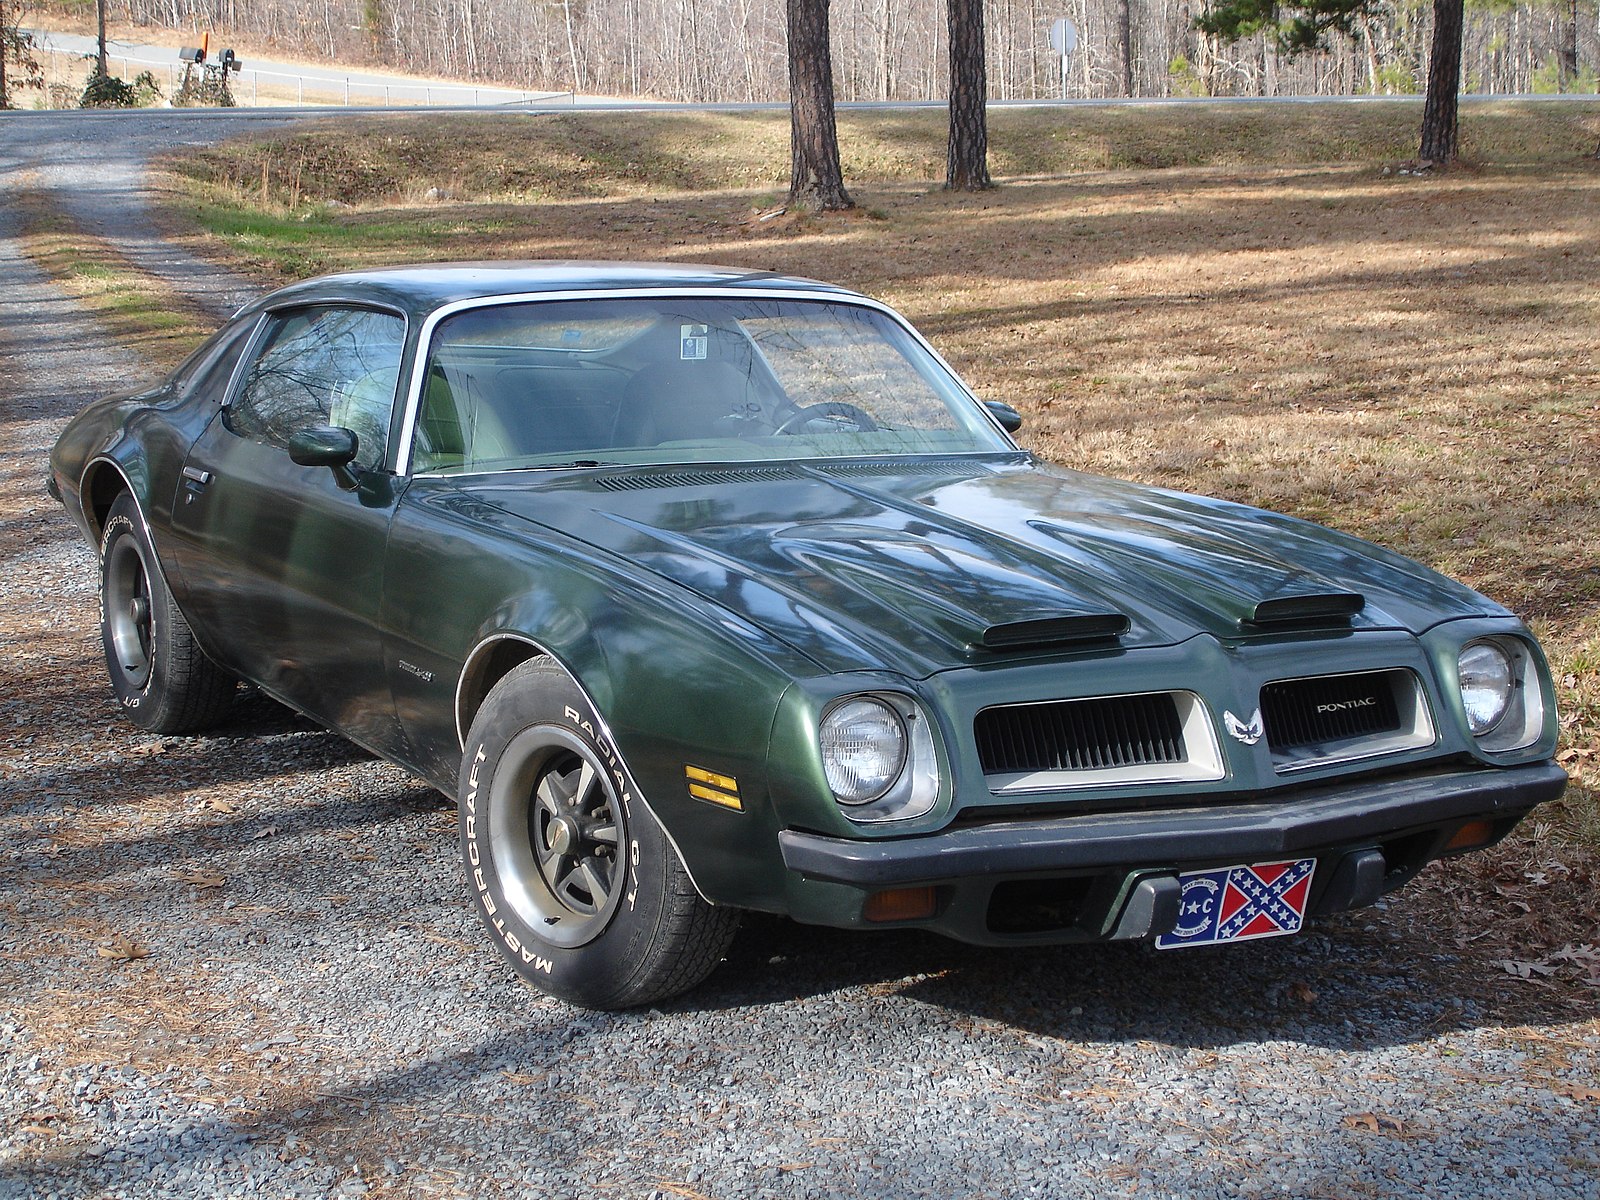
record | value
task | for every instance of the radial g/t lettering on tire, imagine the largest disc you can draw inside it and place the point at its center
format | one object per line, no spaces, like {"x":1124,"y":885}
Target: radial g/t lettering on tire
{"x":578,"y":885}
{"x":160,"y":676}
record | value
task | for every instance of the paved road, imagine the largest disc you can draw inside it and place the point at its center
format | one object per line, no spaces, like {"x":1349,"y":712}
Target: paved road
{"x":302,"y":85}
{"x":284,"y":81}
{"x":320,"y":1016}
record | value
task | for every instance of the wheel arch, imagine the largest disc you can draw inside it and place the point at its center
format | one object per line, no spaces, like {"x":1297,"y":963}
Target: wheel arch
{"x":496,"y":657}
{"x":491,"y":661}
{"x":103,"y":480}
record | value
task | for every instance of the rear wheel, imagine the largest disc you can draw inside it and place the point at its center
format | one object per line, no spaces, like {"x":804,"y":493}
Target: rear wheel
{"x":162,"y":679}
{"x":577,"y":883}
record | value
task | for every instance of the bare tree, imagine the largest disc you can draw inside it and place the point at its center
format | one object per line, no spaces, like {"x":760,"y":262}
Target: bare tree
{"x":100,"y":39}
{"x":816,"y":179}
{"x":967,"y":159}
{"x":1124,"y":23}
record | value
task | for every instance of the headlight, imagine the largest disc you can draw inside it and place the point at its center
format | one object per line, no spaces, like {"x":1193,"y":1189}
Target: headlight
{"x":878,"y":757}
{"x":1487,"y":685}
{"x":863,"y":749}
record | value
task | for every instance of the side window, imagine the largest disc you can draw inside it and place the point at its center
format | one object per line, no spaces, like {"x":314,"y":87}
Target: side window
{"x":323,"y":366}
{"x":210,"y":367}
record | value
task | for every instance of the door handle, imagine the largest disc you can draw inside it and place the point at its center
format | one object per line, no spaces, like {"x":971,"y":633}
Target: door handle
{"x":194,"y":482}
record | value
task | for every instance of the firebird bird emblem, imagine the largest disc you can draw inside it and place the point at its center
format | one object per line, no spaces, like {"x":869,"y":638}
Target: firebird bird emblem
{"x":1248,"y":732}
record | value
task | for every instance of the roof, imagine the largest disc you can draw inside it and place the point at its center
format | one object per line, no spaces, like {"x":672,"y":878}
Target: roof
{"x":423,"y":287}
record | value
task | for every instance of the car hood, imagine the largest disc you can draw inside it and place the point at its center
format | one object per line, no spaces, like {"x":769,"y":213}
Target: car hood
{"x":918,"y":566}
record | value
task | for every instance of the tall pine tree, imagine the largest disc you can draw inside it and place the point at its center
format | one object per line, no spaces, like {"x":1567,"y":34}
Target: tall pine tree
{"x":1300,"y":25}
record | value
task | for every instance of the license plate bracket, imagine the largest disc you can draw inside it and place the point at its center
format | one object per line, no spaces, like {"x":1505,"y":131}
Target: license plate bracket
{"x":1241,"y":903}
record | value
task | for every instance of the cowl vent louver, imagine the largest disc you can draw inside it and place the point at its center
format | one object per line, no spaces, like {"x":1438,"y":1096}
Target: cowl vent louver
{"x":899,"y":468}
{"x":676,"y":479}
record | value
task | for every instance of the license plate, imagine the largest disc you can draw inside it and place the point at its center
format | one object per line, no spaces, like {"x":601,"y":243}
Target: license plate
{"x":1236,"y":904}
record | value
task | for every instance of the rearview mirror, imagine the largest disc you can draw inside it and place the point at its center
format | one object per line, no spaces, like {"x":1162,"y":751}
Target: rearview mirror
{"x":327,"y":446}
{"x":1010,"y":419}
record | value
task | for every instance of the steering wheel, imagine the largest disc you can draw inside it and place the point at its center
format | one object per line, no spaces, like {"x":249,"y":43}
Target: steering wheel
{"x":804,"y":415}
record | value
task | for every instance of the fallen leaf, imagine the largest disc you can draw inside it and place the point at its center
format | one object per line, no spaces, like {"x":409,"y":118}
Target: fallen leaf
{"x":1578,"y":1091}
{"x":201,"y":879}
{"x":268,"y":831}
{"x":1376,"y":1123}
{"x":1302,"y":991}
{"x":122,"y":949}
{"x":1526,"y":970}
{"x":215,"y":804}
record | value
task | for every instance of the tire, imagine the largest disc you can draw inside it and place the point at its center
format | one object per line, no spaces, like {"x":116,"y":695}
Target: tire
{"x":161,"y":678}
{"x":575,"y":880}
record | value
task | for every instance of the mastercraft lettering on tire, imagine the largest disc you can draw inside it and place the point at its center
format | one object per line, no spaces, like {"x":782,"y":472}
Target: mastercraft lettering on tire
{"x":705,"y":591}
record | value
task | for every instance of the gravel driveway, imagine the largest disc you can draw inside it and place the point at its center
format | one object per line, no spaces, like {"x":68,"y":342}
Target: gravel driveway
{"x":244,"y":965}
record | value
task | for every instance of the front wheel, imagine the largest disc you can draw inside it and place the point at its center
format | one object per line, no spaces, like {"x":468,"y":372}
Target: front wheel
{"x":161,"y":677}
{"x":577,"y":883}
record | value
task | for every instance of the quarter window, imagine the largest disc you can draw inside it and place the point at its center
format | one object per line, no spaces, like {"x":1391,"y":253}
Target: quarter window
{"x":323,"y":366}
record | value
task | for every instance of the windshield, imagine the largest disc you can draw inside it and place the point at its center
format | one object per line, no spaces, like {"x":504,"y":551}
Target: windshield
{"x":684,"y":380}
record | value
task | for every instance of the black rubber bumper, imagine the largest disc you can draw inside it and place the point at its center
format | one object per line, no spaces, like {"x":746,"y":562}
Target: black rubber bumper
{"x":1305,"y":821}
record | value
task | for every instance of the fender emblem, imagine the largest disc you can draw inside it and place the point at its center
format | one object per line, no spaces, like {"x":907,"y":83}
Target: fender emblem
{"x":1248,"y":732}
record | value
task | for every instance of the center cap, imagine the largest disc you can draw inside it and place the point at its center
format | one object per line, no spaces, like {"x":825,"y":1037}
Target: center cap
{"x":563,"y":835}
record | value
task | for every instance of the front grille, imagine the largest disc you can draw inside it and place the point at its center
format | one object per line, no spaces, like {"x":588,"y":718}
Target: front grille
{"x":1304,"y":713}
{"x":1100,"y":734}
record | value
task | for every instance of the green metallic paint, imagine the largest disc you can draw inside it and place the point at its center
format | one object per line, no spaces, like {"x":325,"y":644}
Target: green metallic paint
{"x":710,"y":623}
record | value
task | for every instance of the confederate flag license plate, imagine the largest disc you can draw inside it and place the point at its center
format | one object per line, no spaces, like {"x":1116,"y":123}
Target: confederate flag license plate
{"x":1235,"y":904}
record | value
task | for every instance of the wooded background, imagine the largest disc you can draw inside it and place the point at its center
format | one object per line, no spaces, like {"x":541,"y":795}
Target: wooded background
{"x":732,"y":50}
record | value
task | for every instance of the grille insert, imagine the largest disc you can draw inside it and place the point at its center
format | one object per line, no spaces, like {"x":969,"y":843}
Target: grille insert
{"x":1105,"y":733}
{"x":1304,"y":713}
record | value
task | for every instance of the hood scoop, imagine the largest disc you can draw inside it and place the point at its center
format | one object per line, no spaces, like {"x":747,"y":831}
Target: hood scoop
{"x":1053,"y":631}
{"x":1311,"y":609}
{"x":981,"y":602}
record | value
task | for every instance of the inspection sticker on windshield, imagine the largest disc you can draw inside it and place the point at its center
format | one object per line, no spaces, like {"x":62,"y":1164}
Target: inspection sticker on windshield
{"x":692,"y":341}
{"x":1235,"y":904}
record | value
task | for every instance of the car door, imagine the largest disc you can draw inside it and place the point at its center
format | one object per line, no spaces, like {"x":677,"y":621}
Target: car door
{"x":283,"y":566}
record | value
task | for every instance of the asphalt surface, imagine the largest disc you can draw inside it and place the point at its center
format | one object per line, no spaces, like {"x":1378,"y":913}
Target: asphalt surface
{"x":244,"y":964}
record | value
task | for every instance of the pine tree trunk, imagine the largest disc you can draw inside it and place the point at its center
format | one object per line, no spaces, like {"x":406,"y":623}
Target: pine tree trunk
{"x":1444,"y":84}
{"x":967,"y":162}
{"x":816,"y":179}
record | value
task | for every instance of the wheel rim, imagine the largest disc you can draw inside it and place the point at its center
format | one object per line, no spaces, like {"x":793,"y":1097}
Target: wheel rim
{"x":128,"y":611}
{"x":556,"y":832}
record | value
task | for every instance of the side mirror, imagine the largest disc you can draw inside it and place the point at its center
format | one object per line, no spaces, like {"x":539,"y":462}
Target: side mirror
{"x":1010,"y":419}
{"x":328,"y":446}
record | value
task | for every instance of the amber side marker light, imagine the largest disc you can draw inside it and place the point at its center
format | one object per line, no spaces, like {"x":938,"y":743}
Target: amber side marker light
{"x":1470,"y":836}
{"x":901,"y":904}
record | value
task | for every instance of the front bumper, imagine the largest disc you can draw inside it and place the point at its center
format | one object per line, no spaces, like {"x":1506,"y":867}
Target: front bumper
{"x":1114,"y":875}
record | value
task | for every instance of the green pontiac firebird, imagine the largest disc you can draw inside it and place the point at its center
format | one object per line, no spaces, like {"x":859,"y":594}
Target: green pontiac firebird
{"x":707,"y":590}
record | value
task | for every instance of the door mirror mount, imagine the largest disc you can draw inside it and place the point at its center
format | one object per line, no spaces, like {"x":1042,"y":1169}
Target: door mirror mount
{"x":328,"y":446}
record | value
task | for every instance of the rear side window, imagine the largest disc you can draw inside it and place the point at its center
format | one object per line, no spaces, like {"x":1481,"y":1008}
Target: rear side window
{"x":210,"y":367}
{"x":322,"y":366}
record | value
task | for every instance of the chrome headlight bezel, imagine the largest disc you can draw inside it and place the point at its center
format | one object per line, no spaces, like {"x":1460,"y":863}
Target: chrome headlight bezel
{"x":914,"y":788}
{"x":1519,"y":722}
